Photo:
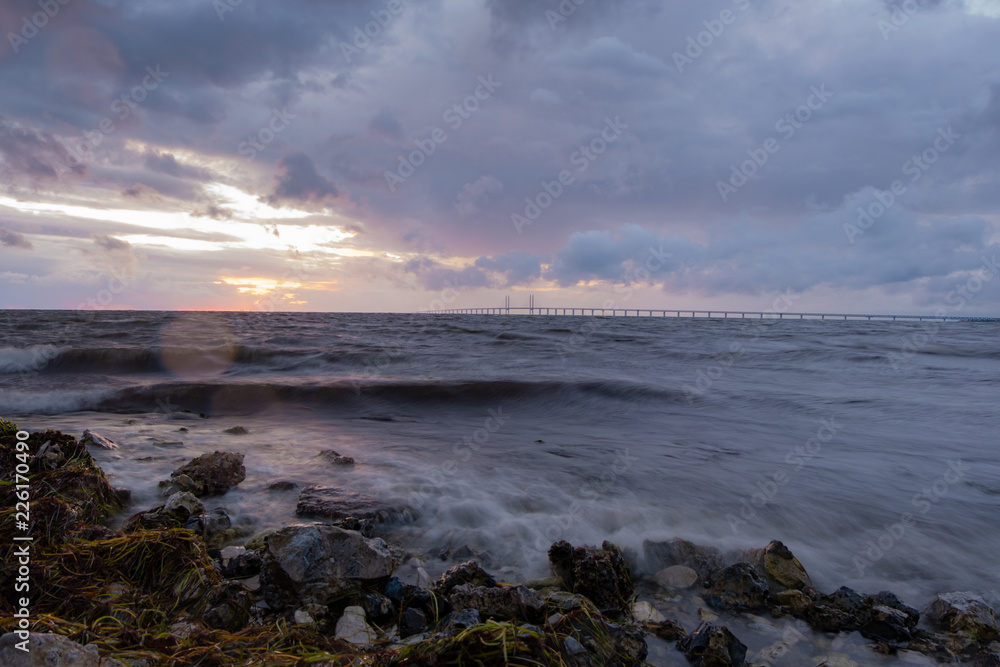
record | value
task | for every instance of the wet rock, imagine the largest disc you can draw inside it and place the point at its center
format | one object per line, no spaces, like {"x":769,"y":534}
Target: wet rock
{"x":663,"y":554}
{"x":667,"y":630}
{"x":177,"y":512}
{"x":282,"y":486}
{"x":469,"y":572}
{"x":460,"y":620}
{"x":336,"y":459}
{"x":333,"y":503}
{"x":411,"y":622}
{"x":601,"y":574}
{"x":886,"y":624}
{"x":606,"y":643}
{"x":796,"y":602}
{"x":243,"y":566}
{"x":91,"y":439}
{"x":230,"y":608}
{"x":676,"y":576}
{"x":318,"y":564}
{"x":260,"y":539}
{"x":646,"y":613}
{"x":846,"y":610}
{"x":236,"y":430}
{"x":405,"y":595}
{"x":378,"y":608}
{"x":965,"y":613}
{"x":782,"y":569}
{"x":713,"y":646}
{"x":465,"y":553}
{"x":364,"y":526}
{"x":501,"y":603}
{"x":353,"y":628}
{"x":564,"y":602}
{"x":737,"y":587}
{"x":207,"y":475}
{"x":45,"y":649}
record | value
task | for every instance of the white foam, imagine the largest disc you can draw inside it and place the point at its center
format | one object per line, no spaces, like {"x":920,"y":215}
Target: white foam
{"x":26,"y":359}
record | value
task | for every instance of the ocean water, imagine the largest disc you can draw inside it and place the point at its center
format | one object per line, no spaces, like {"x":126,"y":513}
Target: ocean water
{"x":869,"y":448}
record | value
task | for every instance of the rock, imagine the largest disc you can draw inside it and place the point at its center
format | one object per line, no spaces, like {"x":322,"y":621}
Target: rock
{"x":646,"y":613}
{"x":318,"y":564}
{"x":230,"y":553}
{"x":501,"y":603}
{"x":564,"y":602}
{"x":46,"y":649}
{"x":663,"y":554}
{"x":91,"y":439}
{"x":713,"y":646}
{"x":283,"y":486}
{"x":667,"y":630}
{"x":457,"y":621}
{"x":464,"y":553}
{"x":886,"y":624}
{"x":606,"y":643}
{"x":965,"y":613}
{"x":236,"y":430}
{"x":676,"y":576}
{"x":707,"y":615}
{"x":781,"y":568}
{"x":209,"y":474}
{"x":737,"y":587}
{"x":601,"y":574}
{"x":303,"y":617}
{"x":336,"y":459}
{"x":846,"y":610}
{"x":230,"y":608}
{"x":469,"y":572}
{"x":242,"y":566}
{"x":332,"y":503}
{"x":183,"y":506}
{"x":795,"y":601}
{"x":175,"y":513}
{"x":411,"y":622}
{"x":353,"y":628}
{"x":378,"y":608}
{"x":403,"y":595}
{"x":260,"y":539}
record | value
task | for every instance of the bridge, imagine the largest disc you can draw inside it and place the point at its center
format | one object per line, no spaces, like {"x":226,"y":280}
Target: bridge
{"x":532,"y":309}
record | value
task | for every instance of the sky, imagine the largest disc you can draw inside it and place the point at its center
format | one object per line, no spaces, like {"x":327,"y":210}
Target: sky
{"x":407,"y":155}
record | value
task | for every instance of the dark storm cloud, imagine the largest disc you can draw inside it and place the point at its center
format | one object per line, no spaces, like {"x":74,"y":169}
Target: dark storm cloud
{"x":30,"y":152}
{"x":298,"y":180}
{"x":10,"y":239}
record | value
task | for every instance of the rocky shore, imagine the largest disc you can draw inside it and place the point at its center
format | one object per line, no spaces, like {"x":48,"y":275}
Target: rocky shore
{"x":178,"y":584}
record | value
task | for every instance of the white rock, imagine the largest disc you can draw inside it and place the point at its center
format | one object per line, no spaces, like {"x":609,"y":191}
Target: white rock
{"x":93,"y":439}
{"x":676,"y":576}
{"x":423,"y":579}
{"x":352,"y":627}
{"x":706,"y":616}
{"x":302,"y":616}
{"x":647,"y":613}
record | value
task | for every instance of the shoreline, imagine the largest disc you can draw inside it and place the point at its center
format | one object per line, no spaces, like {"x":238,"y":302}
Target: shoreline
{"x":696,"y":598}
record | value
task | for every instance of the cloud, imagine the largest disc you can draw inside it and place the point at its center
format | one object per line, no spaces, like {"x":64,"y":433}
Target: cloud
{"x":10,"y":239}
{"x":472,"y":194}
{"x":111,"y":243}
{"x":299,"y":181}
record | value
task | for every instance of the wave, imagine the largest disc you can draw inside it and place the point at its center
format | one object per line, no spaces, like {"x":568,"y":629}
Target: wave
{"x":356,"y":397}
{"x":27,"y":359}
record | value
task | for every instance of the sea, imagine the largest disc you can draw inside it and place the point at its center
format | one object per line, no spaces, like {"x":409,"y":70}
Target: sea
{"x":870,"y":449}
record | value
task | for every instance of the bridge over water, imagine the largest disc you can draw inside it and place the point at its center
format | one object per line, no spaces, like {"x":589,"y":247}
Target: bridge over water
{"x":507,"y":309}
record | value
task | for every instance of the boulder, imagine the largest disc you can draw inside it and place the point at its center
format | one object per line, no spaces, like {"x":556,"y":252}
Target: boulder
{"x":318,"y":564}
{"x":230,"y":608}
{"x":737,"y":587}
{"x":782,"y":569}
{"x":340,"y":504}
{"x":91,"y":439}
{"x":965,"y":613}
{"x":603,"y":575}
{"x":353,"y":628}
{"x":242,"y":566}
{"x":336,"y":459}
{"x":207,"y":475}
{"x":45,"y":649}
{"x":676,"y":576}
{"x":713,"y":646}
{"x":500,"y":602}
{"x":411,"y":622}
{"x":606,"y":643}
{"x":283,"y":485}
{"x":846,"y":610}
{"x":665,"y":553}
{"x":236,"y":430}
{"x":378,"y":608}
{"x":469,"y":572}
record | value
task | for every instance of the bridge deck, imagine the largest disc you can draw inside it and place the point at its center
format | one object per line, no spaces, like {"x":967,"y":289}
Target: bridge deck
{"x":704,"y":314}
